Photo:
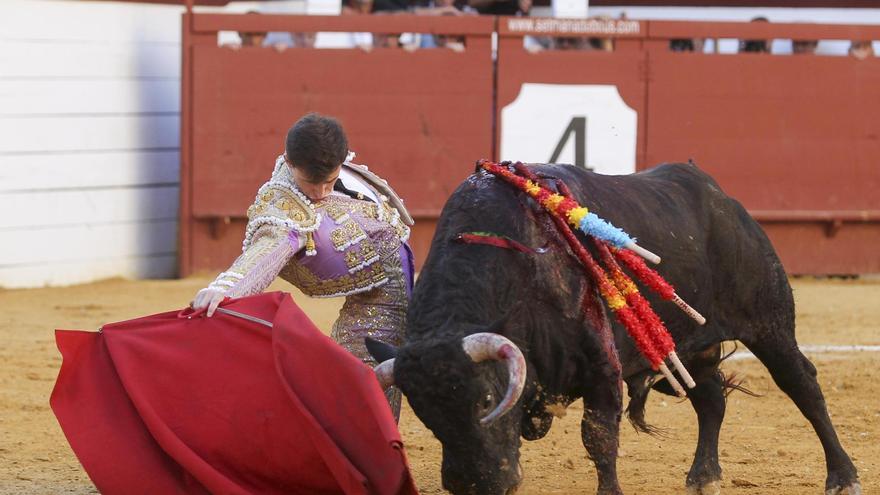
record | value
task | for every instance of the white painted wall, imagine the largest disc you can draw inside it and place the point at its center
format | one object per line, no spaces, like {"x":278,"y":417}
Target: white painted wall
{"x":89,"y":141}
{"x":89,"y":138}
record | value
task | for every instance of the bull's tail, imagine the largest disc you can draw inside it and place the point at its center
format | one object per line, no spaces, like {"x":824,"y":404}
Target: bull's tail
{"x":733,"y":382}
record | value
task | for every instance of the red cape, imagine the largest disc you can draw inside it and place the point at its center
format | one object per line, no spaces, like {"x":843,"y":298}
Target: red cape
{"x":168,"y":404}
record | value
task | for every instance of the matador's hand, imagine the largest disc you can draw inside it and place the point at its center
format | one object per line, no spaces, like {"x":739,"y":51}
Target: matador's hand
{"x":208,"y":298}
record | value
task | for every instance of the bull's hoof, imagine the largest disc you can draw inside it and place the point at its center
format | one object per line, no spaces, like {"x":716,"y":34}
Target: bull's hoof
{"x":609,"y":491}
{"x":710,"y":488}
{"x":853,"y":489}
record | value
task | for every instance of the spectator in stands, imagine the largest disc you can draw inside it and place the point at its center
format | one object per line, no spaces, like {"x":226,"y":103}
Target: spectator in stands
{"x":804,"y":47}
{"x":687,"y":45}
{"x":454,"y":43}
{"x":600,"y":44}
{"x":363,"y":41}
{"x":501,"y":7}
{"x":278,"y":40}
{"x":415,"y":41}
{"x":397,"y":6}
{"x":681,"y":45}
{"x":569,"y":43}
{"x":444,"y":7}
{"x":603,"y":44}
{"x":581,"y":43}
{"x":282,"y":41}
{"x":303,"y":40}
{"x":252,"y":38}
{"x":755,"y":46}
{"x":861,"y":49}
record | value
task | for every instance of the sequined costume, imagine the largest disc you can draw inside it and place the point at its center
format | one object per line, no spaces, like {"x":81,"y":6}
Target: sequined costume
{"x":337,"y":246}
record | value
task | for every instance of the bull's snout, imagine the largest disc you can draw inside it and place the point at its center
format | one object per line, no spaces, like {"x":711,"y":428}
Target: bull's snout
{"x":475,"y":489}
{"x":504,"y":483}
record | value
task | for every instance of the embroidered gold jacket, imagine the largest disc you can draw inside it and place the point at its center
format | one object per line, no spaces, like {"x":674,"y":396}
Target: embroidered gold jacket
{"x":329,"y":248}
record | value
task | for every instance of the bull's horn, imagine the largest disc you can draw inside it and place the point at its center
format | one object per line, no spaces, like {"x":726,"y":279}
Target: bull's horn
{"x":385,"y":373}
{"x":483,"y":346}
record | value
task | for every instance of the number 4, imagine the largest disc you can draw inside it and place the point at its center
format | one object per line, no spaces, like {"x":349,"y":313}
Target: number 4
{"x":578,"y":126}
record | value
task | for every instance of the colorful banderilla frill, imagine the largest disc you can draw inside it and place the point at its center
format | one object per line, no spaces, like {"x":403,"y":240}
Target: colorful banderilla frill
{"x":653,"y":280}
{"x":619,"y":291}
{"x":576,"y":215}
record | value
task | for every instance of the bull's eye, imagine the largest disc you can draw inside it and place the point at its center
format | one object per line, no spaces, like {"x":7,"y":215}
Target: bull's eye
{"x":487,"y":402}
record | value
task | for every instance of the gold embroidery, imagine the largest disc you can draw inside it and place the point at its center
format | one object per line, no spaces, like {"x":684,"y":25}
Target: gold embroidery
{"x":360,"y":256}
{"x":350,"y":233}
{"x":311,"y":249}
{"x":278,"y":202}
{"x":352,"y":258}
{"x":393,"y":217}
{"x":292,"y":209}
{"x":368,"y":209}
{"x":336,"y":211}
{"x":338,"y":207}
{"x":300,"y":276}
{"x":366,"y":260}
{"x":379,"y":313}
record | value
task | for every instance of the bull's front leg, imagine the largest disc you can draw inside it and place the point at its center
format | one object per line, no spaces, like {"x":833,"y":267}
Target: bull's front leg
{"x":600,"y":431}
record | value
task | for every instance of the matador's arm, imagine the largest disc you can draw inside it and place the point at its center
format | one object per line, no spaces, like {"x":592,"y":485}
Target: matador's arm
{"x":280,"y":223}
{"x":271,"y":247}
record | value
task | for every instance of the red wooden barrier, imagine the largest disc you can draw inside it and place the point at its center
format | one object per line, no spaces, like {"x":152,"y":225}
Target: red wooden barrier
{"x":792,"y":137}
{"x":419,"y":119}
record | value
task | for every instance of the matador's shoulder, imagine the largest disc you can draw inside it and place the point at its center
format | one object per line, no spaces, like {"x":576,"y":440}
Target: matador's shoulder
{"x":280,"y":203}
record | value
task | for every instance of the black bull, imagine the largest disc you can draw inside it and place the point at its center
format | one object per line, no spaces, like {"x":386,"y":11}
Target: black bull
{"x":717,"y":257}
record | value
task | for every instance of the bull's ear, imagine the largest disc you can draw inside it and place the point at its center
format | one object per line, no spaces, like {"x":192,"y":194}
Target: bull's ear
{"x":380,"y":351}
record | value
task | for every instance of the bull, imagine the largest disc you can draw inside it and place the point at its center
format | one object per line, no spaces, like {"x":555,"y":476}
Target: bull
{"x":497,"y":338}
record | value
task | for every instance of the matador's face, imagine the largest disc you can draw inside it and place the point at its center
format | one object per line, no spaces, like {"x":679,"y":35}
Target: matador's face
{"x":315,"y":188}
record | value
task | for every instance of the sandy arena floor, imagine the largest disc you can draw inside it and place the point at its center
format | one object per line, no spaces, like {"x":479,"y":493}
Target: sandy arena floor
{"x":766,"y":445}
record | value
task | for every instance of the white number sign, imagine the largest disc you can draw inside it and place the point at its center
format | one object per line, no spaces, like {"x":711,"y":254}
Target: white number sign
{"x":587,"y":125}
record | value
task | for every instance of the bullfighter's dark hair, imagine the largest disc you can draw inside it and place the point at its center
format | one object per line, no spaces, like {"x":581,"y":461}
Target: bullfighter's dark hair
{"x":316,"y":144}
